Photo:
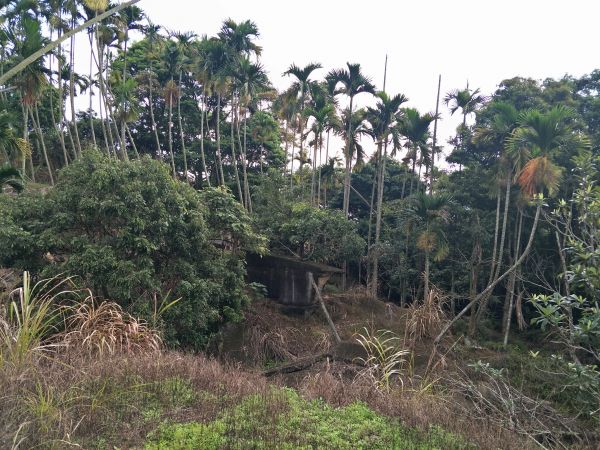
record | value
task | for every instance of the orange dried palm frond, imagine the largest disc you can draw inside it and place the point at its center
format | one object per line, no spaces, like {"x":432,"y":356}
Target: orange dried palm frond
{"x":538,"y":174}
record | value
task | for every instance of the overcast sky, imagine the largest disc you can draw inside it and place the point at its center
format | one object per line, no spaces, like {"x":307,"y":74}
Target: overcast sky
{"x":482,"y":41}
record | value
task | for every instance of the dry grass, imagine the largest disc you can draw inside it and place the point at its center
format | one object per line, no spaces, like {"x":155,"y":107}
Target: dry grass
{"x":425,"y":320}
{"x":98,"y":328}
{"x":415,"y":408}
{"x":72,"y":400}
{"x":490,"y":397}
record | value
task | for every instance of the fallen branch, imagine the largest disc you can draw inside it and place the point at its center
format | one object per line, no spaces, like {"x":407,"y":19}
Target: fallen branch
{"x":297,"y":365}
{"x":324,"y":308}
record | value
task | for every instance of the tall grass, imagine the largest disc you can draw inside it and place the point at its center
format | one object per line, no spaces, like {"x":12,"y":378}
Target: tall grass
{"x":384,"y":360}
{"x":31,"y":317}
{"x":104,"y":328}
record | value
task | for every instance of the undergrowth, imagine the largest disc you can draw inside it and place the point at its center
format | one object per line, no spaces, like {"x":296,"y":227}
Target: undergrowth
{"x":283,"y":420}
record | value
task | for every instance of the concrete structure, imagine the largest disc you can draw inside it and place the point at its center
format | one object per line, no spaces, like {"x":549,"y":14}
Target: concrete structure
{"x":287,"y":279}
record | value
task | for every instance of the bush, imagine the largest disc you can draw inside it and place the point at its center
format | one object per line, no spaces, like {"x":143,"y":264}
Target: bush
{"x":133,"y":234}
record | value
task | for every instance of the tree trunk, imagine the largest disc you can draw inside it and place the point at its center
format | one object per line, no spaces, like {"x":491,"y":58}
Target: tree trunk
{"x":244,"y":168}
{"x":484,"y":301}
{"x":103,"y":95}
{"x":498,"y":280}
{"x":313,"y":183}
{"x":170,"y":132}
{"x":137,"y":154}
{"x":72,"y":95}
{"x":185,"y":166}
{"x":91,"y":90}
{"x":202,"y":114}
{"x":219,"y":160}
{"x":437,"y":108}
{"x":380,"y":186}
{"x":347,"y":180}
{"x":154,"y":127}
{"x":234,"y":159}
{"x":36,"y":124}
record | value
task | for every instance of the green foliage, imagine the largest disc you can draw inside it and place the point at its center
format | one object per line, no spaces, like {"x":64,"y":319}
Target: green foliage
{"x":321,"y":235}
{"x":284,"y":420}
{"x":384,"y":359}
{"x":130,"y":231}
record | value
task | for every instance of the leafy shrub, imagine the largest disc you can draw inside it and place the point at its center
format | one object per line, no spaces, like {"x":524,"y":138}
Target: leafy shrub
{"x":131,"y":233}
{"x":321,"y":235}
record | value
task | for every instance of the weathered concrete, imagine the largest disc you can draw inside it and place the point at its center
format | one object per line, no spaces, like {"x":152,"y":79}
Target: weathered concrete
{"x":287,"y":279}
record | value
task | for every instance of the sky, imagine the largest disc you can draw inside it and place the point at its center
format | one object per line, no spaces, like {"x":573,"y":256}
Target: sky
{"x":480,"y":42}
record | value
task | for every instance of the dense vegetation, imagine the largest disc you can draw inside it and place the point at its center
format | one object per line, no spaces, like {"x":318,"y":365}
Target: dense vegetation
{"x":187,"y":158}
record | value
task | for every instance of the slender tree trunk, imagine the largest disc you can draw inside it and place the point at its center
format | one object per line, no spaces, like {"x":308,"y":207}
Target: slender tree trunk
{"x":327,"y":162}
{"x":185,"y":165}
{"x":219,"y":160}
{"x":25,"y":112}
{"x":61,"y":137}
{"x":380,"y":186}
{"x":320,"y":165}
{"x":292,"y":160}
{"x":202,"y":114}
{"x":437,"y":108}
{"x":511,"y":285}
{"x":347,"y":180}
{"x":244,"y":159}
{"x":488,"y":289}
{"x":137,"y":154}
{"x":36,"y":124}
{"x":369,"y":231}
{"x":414,"y":172}
{"x":72,"y":92}
{"x":170,"y":130}
{"x":91,"y":108}
{"x":484,"y":301}
{"x":151,"y":104}
{"x":104,"y":99}
{"x":234,"y":159}
{"x":313,"y":183}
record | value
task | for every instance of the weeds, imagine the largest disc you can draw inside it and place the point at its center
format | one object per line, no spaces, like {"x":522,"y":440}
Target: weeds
{"x":106,"y":329}
{"x":31,"y":317}
{"x":426,"y":319}
{"x":384,"y":359}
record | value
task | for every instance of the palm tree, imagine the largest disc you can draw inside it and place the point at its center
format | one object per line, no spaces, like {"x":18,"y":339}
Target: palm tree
{"x":173,"y":59}
{"x":154,"y":40}
{"x":32,"y":80}
{"x":538,"y":137}
{"x":239,"y":37}
{"x":350,"y":82}
{"x":251,"y":79}
{"x":24,"y":63}
{"x":383,"y":119}
{"x":414,"y":127}
{"x":501,"y":125}
{"x":184,"y":41}
{"x":11,"y":177}
{"x":215,"y":66}
{"x":322,"y":110}
{"x":126,"y":105}
{"x":467,"y":101}
{"x":428,"y":214}
{"x":301,"y":89}
{"x":12,"y":147}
